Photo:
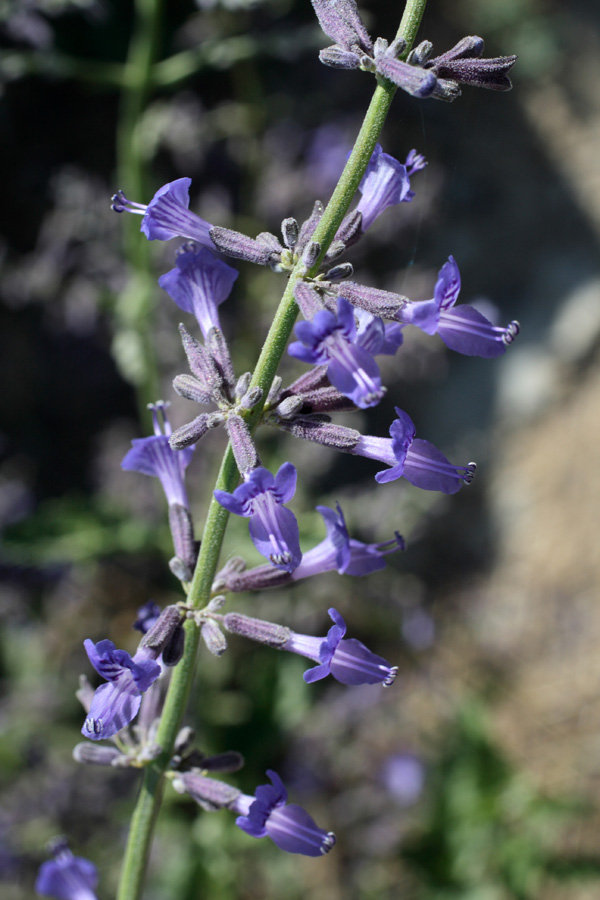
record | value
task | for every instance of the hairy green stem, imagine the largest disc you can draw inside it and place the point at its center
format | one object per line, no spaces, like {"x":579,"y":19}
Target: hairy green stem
{"x":146,"y":811}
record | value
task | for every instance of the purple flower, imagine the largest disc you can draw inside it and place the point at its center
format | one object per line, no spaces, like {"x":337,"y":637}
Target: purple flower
{"x":349,"y":661}
{"x":153,"y":456}
{"x":385,"y":183}
{"x":340,"y":551}
{"x":167,"y":215}
{"x":148,"y":615}
{"x":198,"y":284}
{"x":404,"y":776}
{"x":334,"y":341}
{"x":268,"y":814}
{"x":273,"y":528}
{"x":67,"y":877}
{"x":418,"y":461}
{"x":116,"y":703}
{"x":463,"y":328}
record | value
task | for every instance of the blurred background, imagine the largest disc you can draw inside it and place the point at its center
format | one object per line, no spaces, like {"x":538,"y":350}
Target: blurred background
{"x":477,"y":775}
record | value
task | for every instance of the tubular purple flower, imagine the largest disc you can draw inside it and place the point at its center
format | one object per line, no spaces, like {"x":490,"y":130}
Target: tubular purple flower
{"x":333,"y":340}
{"x":198,"y":284}
{"x":464,"y":328}
{"x":116,"y":703}
{"x":67,"y":877}
{"x":385,"y":183}
{"x":417,"y":460}
{"x":273,"y":527}
{"x":167,"y":215}
{"x":289,"y":826}
{"x":153,"y":456}
{"x":340,"y":551}
{"x":349,"y":661}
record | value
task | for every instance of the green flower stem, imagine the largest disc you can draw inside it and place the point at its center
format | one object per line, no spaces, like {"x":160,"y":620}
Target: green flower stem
{"x":146,"y":811}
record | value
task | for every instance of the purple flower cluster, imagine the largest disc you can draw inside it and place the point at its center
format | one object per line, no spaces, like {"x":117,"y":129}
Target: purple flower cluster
{"x":345,"y":326}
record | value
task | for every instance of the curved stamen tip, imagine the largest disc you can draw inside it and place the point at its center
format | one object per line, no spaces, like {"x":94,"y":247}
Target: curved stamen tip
{"x":328,"y":842}
{"x":120,"y":203}
{"x":400,"y":541}
{"x":512,"y":330}
{"x":469,"y":475}
{"x":391,"y":677}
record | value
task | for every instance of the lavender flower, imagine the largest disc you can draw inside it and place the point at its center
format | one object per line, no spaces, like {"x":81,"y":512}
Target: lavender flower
{"x":464,"y":328}
{"x":333,"y":340}
{"x":417,"y":460}
{"x":117,"y":703}
{"x":337,"y":552}
{"x":67,"y":877}
{"x":349,"y":661}
{"x":199,"y":283}
{"x":167,"y":215}
{"x":385,"y":183}
{"x":268,"y":814}
{"x":153,"y":456}
{"x":148,"y":615}
{"x":273,"y":528}
{"x":340,"y":551}
{"x":403,"y":774}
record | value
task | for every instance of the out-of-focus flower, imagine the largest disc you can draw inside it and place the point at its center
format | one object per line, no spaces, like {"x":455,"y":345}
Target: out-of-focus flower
{"x":67,"y":877}
{"x":403,"y":774}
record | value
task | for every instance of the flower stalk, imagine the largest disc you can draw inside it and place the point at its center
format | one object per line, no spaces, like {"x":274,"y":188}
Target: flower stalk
{"x":148,"y":803}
